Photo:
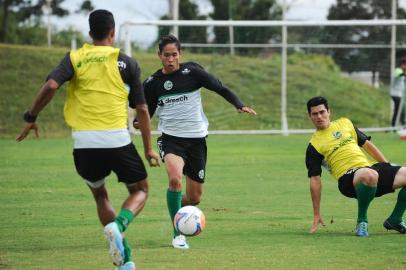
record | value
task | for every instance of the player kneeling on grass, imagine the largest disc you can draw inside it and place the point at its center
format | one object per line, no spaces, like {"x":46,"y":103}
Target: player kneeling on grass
{"x":102,"y":82}
{"x":173,"y":94}
{"x":337,"y":145}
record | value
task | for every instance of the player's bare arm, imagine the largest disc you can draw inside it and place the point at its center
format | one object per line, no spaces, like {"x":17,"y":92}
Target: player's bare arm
{"x":44,"y":96}
{"x":145,"y":128}
{"x":315,"y":191}
{"x":374,"y":151}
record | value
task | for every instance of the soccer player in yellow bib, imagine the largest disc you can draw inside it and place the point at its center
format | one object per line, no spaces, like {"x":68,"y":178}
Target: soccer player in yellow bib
{"x":337,"y":145}
{"x":102,"y":83}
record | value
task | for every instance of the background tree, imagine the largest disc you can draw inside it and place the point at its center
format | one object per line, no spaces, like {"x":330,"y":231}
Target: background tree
{"x":22,"y":21}
{"x":350,"y":60}
{"x":6,"y":6}
{"x":247,"y":10}
{"x":85,"y":7}
{"x":188,"y":10}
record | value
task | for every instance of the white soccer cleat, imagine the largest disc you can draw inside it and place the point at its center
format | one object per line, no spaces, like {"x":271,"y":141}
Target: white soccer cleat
{"x":180,"y":242}
{"x":127,"y":266}
{"x":113,"y":235}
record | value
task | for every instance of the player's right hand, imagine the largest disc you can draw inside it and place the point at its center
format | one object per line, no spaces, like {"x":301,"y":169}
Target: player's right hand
{"x":26,"y":130}
{"x":136,"y":124}
{"x":316,"y":221}
{"x":153,"y":158}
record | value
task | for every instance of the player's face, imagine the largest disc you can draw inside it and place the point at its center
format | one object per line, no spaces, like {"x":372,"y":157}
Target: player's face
{"x":170,"y":56}
{"x":320,"y":116}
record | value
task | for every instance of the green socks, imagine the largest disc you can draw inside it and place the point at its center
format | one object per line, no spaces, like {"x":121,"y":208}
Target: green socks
{"x":174,"y":201}
{"x":397,"y":213}
{"x":365,"y":195}
{"x":127,"y":251}
{"x":124,"y":219}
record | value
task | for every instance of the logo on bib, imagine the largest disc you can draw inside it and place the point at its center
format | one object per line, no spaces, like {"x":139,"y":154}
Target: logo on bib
{"x":337,"y":135}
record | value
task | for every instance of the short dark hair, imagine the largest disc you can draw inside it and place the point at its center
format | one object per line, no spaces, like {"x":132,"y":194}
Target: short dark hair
{"x":169,"y":39}
{"x":316,"y":101}
{"x":402,"y":61}
{"x":101,"y":22}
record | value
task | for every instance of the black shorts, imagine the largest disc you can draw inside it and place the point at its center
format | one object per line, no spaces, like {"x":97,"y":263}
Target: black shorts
{"x":192,"y":150}
{"x":386,"y":172}
{"x":94,"y":164}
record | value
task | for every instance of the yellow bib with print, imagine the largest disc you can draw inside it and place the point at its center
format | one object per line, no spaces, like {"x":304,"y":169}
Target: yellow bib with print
{"x":338,"y":144}
{"x":96,"y":95}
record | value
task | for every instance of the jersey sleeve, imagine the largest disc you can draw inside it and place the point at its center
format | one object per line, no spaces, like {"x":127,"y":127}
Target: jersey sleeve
{"x":63,"y":72}
{"x":361,"y":137}
{"x":130,"y":73}
{"x":212,"y":83}
{"x":313,"y":161}
{"x":150,"y":96}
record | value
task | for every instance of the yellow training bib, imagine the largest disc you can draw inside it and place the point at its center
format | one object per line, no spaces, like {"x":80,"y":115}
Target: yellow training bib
{"x":96,"y":95}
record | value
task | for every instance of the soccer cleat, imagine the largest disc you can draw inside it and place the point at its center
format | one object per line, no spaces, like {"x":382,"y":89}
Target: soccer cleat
{"x":180,"y":242}
{"x":127,"y":266}
{"x":361,"y":229}
{"x":401,"y":227}
{"x":113,"y":235}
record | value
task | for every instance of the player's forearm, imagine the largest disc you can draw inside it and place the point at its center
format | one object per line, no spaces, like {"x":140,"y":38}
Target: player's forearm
{"x":44,"y":96}
{"x":315,"y":192}
{"x":144,"y":126}
{"x":374,"y":152}
{"x":231,"y":97}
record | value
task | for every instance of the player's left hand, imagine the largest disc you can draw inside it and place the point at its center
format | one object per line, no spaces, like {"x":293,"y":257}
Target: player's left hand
{"x":317,"y":220}
{"x":26,"y":130}
{"x":246,"y":109}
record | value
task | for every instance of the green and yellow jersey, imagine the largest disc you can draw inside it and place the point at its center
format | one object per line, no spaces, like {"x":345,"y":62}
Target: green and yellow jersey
{"x":337,"y":148}
{"x":96,"y":96}
{"x":102,"y":83}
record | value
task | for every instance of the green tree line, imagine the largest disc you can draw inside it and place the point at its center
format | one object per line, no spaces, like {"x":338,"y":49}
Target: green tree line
{"x":21,"y":21}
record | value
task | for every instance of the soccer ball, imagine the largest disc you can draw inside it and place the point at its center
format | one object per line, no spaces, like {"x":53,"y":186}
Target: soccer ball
{"x":189,"y":220}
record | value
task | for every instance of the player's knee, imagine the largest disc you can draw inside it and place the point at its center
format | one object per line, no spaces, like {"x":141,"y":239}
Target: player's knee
{"x":100,"y":195}
{"x":141,"y":186}
{"x":175,"y":182}
{"x":370,"y":178}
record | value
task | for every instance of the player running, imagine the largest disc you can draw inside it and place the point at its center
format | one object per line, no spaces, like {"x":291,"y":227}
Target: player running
{"x":337,"y":146}
{"x":102,"y":82}
{"x":173,"y":93}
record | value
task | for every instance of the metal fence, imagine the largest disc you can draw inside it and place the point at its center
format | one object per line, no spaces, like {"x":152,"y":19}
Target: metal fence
{"x":283,"y":45}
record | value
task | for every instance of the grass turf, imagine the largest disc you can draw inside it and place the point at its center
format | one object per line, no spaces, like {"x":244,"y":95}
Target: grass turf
{"x":256,"y":201}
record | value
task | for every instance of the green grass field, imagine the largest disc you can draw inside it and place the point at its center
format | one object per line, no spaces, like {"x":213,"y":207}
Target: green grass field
{"x":256,"y":202}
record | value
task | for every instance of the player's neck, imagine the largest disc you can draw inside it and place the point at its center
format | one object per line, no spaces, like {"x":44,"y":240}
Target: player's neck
{"x":104,"y":42}
{"x":170,"y":71}
{"x":323,"y":127}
